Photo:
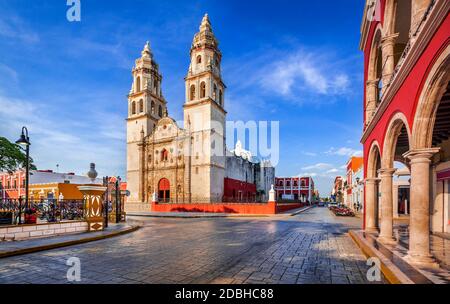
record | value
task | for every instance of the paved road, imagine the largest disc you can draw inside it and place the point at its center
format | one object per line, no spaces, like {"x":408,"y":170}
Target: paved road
{"x":311,"y":247}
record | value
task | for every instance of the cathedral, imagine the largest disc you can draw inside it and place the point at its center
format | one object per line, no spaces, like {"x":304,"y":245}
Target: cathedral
{"x":189,"y":164}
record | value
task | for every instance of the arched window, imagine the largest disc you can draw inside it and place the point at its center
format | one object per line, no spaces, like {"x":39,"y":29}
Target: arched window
{"x":141,"y":106}
{"x":199,"y":59}
{"x":155,"y":86}
{"x":160,"y":112}
{"x":138,"y":84}
{"x":203,"y":90}
{"x":220,"y":97}
{"x":215,"y":92}
{"x":153,"y":107}
{"x":192,"y":93}
{"x":133,"y":108}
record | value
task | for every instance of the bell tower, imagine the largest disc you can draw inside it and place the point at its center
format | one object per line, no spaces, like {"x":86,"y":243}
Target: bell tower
{"x":205,"y":115}
{"x":146,"y":105}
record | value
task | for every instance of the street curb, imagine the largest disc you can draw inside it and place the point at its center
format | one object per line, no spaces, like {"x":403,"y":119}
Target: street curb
{"x":67,"y":243}
{"x":301,"y":211}
{"x":391,"y":272}
{"x":199,"y":216}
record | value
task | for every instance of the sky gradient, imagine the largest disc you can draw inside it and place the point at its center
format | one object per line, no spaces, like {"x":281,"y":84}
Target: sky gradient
{"x":296,"y":62}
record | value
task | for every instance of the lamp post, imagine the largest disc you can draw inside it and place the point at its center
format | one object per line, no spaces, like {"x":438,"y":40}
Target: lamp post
{"x":24,"y":141}
{"x":117,"y":199}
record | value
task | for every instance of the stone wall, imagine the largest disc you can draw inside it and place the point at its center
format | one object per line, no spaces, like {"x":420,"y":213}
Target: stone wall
{"x":23,"y":232}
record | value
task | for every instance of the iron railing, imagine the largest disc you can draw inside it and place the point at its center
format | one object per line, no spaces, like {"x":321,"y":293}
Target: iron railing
{"x":42,"y":211}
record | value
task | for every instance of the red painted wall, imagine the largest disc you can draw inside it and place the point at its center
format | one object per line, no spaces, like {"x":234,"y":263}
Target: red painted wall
{"x":248,"y":190}
{"x":237,"y":208}
{"x":245,"y":208}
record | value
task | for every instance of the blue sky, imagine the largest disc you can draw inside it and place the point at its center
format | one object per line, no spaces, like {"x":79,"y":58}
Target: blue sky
{"x":296,"y":62}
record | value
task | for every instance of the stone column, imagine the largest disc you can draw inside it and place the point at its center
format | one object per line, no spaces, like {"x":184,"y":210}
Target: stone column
{"x":419,"y":227}
{"x":395,"y":189}
{"x":371,"y":99}
{"x":418,"y":8}
{"x":93,"y":199}
{"x":388,"y":64}
{"x":387,"y":222}
{"x":371,"y":200}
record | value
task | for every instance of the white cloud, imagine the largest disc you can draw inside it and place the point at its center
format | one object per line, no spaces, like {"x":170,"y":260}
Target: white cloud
{"x":319,"y":166}
{"x":309,"y":153}
{"x":14,"y":28}
{"x":303,"y":71}
{"x":344,"y":151}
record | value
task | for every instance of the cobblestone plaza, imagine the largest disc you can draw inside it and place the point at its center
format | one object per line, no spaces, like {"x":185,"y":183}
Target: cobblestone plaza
{"x":311,"y":247}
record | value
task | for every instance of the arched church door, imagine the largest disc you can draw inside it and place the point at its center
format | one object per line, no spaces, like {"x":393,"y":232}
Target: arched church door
{"x":164,"y":190}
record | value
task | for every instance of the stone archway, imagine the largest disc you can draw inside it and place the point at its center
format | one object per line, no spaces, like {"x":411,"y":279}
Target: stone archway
{"x":373,"y":76}
{"x":396,"y":143}
{"x":371,"y":188}
{"x":429,"y":99}
{"x":426,"y":144}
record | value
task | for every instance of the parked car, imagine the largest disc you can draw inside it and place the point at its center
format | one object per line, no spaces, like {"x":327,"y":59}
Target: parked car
{"x":332,"y":204}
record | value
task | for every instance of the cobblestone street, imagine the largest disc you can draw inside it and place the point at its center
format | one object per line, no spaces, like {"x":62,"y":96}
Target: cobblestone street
{"x":311,"y":247}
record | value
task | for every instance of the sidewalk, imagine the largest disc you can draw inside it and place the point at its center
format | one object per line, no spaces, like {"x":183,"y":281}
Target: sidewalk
{"x":393,"y":265}
{"x":39,"y":244}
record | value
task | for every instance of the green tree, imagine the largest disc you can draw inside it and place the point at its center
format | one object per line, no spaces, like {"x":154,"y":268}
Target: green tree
{"x":12,"y":157}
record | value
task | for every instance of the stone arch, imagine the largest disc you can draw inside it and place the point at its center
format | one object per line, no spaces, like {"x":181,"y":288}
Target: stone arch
{"x":133,"y":107}
{"x":374,"y":160}
{"x":141,"y":106}
{"x":202,"y":89}
{"x":371,"y":190}
{"x":428,"y":102}
{"x":138,"y":84}
{"x":373,"y":75}
{"x":192,"y":92}
{"x":397,"y":122}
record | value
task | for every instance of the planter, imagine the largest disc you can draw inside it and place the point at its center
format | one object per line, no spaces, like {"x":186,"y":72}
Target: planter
{"x":30,"y":219}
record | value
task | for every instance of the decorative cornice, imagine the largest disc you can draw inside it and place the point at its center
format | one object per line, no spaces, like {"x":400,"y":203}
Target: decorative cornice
{"x":207,"y":100}
{"x":412,"y":54}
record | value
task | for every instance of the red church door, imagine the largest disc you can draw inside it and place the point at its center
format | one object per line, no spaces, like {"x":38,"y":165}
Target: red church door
{"x":164,"y":190}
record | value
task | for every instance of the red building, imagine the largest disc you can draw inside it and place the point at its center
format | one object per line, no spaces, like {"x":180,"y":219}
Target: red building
{"x":353,"y":165}
{"x":12,"y":185}
{"x":239,"y":191}
{"x":406,"y":45}
{"x":294,"y":188}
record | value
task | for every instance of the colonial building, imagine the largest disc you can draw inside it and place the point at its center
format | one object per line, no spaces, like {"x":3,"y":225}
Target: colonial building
{"x":189,"y":163}
{"x":337,"y":192}
{"x":44,"y":184}
{"x":295,"y":188}
{"x":353,"y":187}
{"x":406,"y":49}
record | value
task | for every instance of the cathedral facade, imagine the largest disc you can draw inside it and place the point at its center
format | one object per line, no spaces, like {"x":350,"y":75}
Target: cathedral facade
{"x":189,"y":163}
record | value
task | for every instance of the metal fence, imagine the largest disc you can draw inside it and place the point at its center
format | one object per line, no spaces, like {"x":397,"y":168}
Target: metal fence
{"x":42,"y":211}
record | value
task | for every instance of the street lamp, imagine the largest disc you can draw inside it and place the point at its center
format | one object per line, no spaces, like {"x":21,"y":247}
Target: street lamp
{"x":24,"y":141}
